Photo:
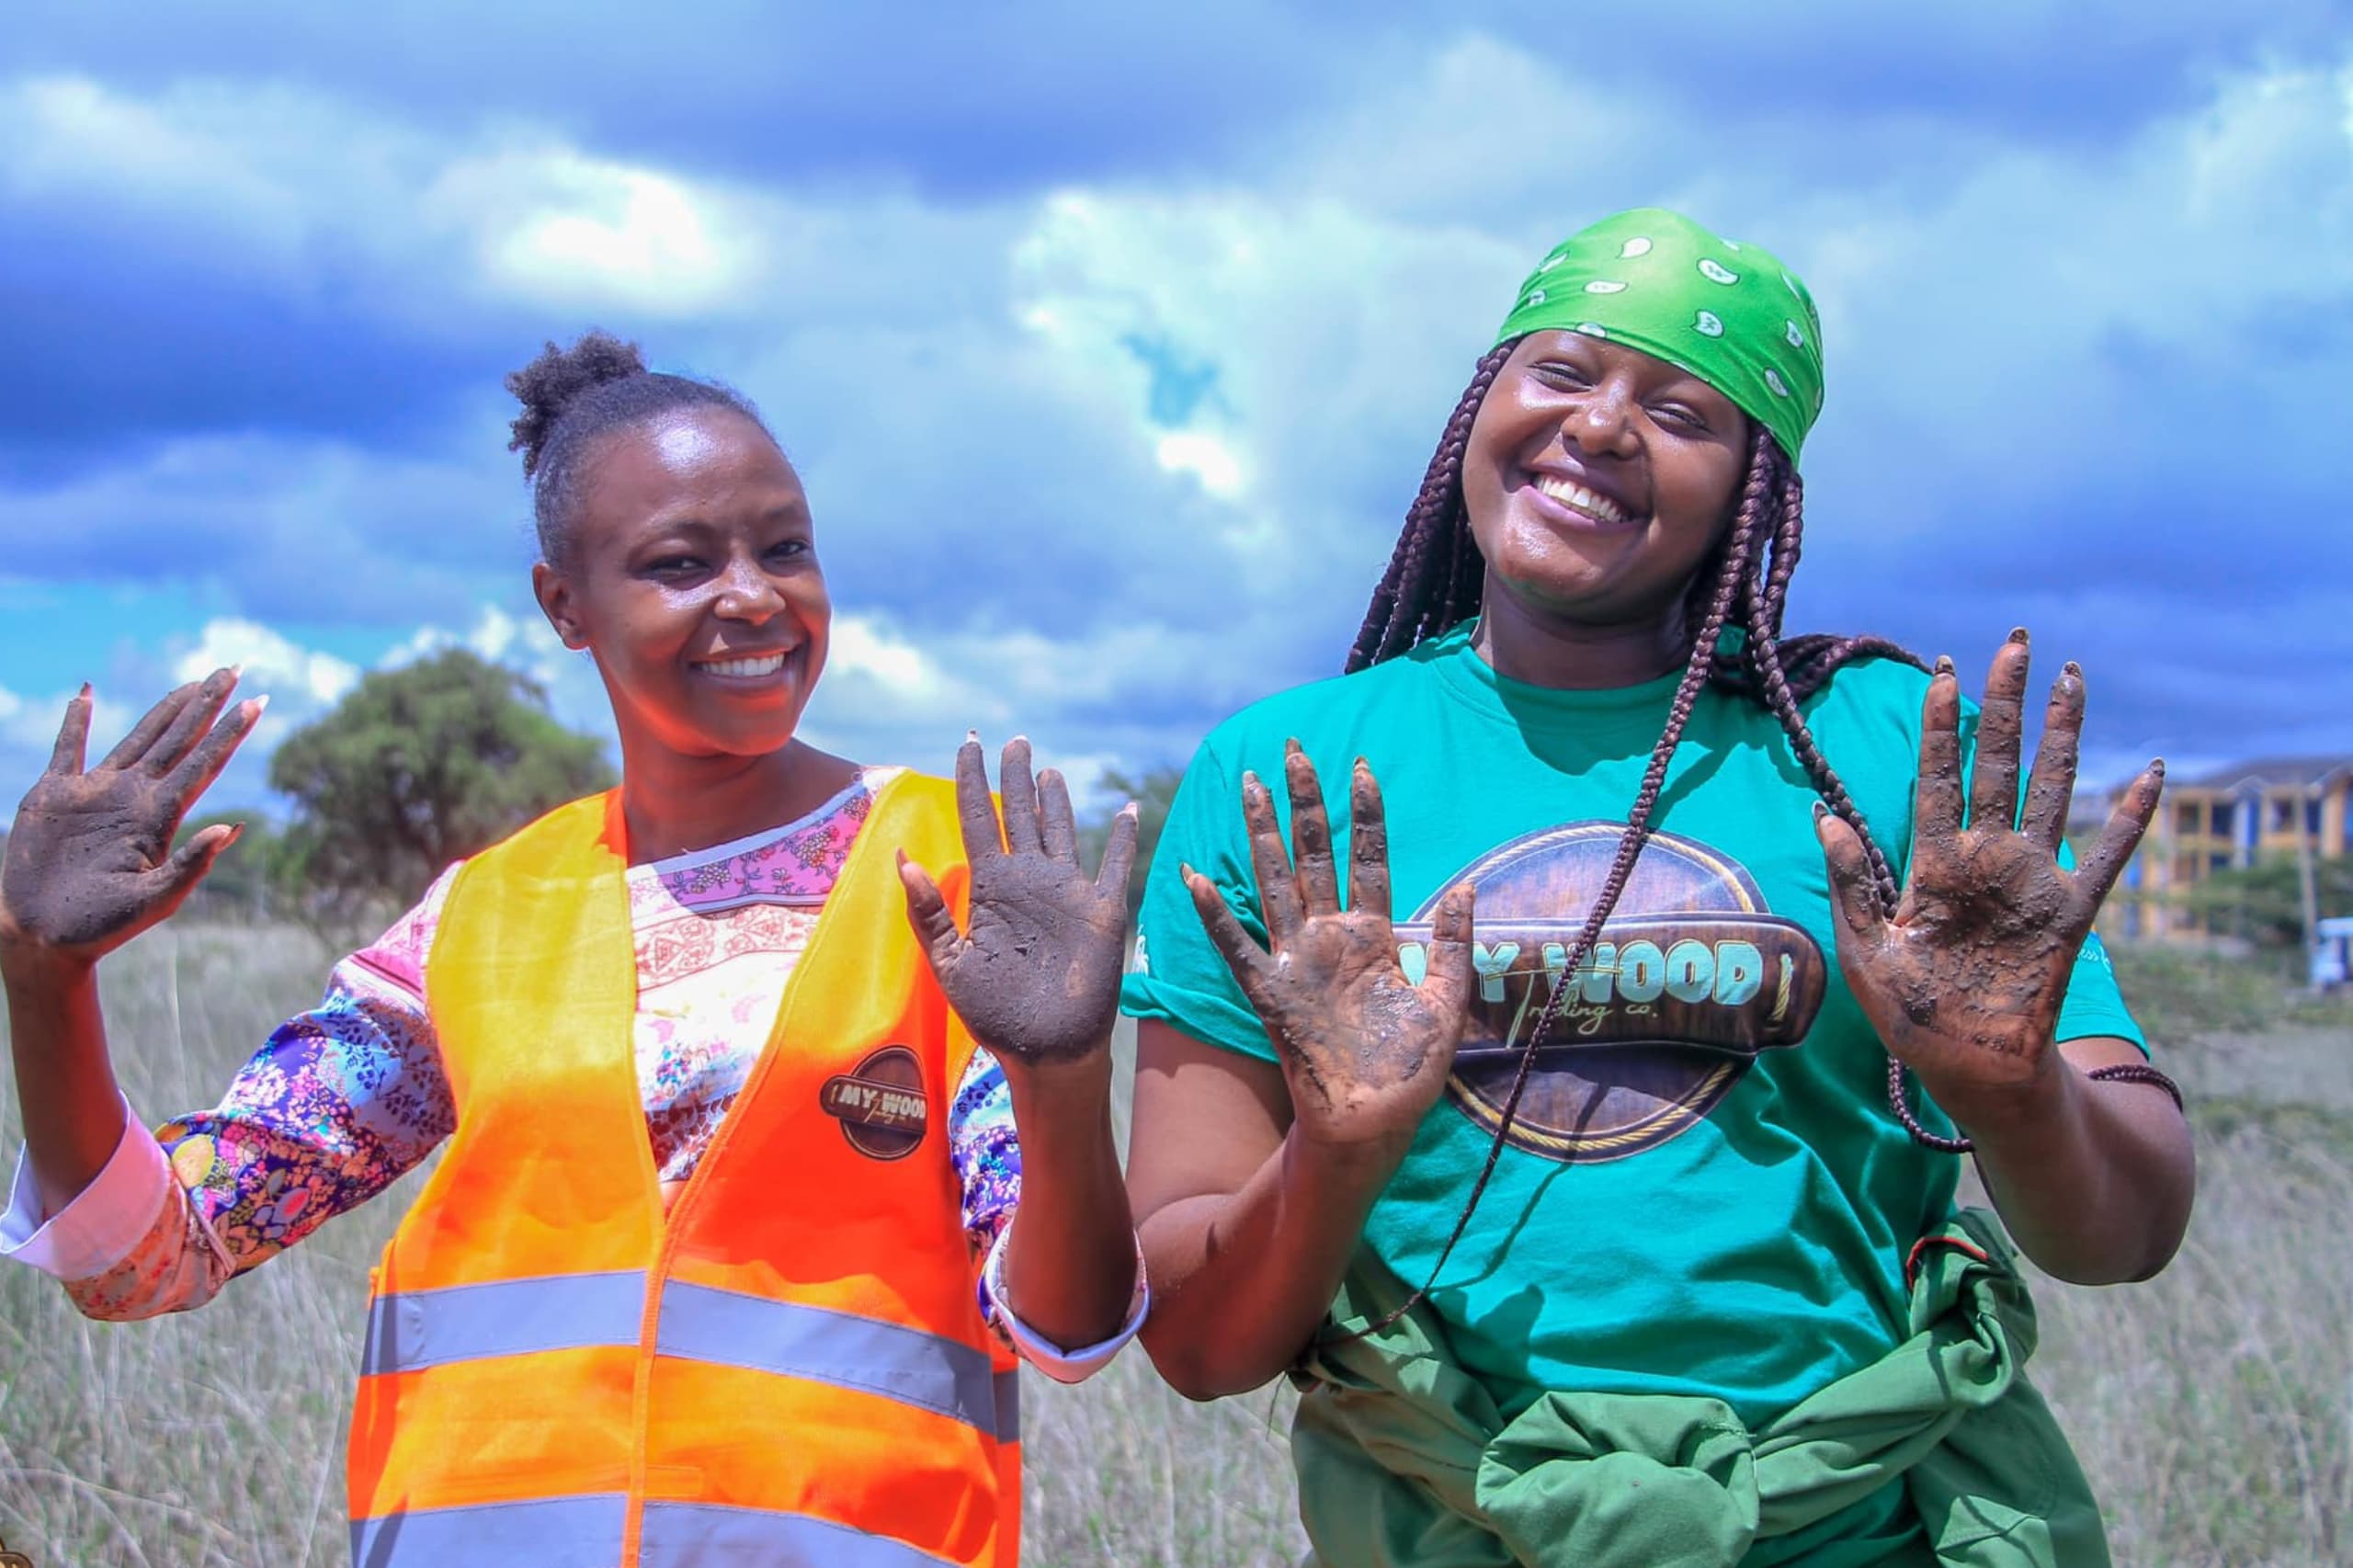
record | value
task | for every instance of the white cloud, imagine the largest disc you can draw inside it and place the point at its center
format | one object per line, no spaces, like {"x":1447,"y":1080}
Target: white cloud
{"x":552,"y":224}
{"x":272,"y":663}
{"x":1206,"y":458}
{"x":864,"y":646}
{"x":1024,"y":531}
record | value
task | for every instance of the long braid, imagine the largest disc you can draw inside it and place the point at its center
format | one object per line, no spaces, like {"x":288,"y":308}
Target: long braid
{"x":1766,"y":662}
{"x":1407,"y":599}
{"x":1748,"y":523}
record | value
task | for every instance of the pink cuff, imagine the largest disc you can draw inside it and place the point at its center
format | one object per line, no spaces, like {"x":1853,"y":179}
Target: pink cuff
{"x":104,"y":1221}
{"x":1063,"y":1365}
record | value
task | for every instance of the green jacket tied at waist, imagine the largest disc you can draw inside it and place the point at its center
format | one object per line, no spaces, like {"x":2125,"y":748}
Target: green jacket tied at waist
{"x":1404,"y":1461}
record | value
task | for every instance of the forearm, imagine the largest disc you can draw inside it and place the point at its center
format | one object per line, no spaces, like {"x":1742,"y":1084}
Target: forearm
{"x":2093,"y":1179}
{"x":1240,"y":1279}
{"x":66,"y":1083}
{"x":1070,"y":1262}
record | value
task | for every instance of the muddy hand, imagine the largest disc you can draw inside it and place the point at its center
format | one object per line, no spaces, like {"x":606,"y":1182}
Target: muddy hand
{"x":1035,"y":974}
{"x":90,"y":863}
{"x":1963,"y":981}
{"x":1365,"y":1050}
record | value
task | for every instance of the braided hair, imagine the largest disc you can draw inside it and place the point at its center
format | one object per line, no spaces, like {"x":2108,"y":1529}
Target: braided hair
{"x":571,"y":397}
{"x":1436,"y":581}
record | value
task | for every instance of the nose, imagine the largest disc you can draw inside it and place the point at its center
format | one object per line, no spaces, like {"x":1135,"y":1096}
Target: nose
{"x":1603,"y":421}
{"x":747,"y":593}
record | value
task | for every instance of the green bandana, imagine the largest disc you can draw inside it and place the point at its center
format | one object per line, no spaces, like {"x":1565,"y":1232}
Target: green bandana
{"x":1728,"y":314}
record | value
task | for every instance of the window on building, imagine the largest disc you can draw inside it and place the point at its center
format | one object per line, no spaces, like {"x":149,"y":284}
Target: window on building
{"x":2218,"y":862}
{"x":2283,"y":815}
{"x":2311,"y":817}
{"x":2220,"y":819}
{"x":2185,"y":818}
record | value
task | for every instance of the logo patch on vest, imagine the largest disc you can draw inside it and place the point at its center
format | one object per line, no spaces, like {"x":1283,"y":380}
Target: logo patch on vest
{"x":879,"y":1103}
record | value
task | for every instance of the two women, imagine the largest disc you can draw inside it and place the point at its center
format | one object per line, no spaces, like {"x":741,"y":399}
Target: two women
{"x":720,"y":1262}
{"x":1543,"y":1104}
{"x":1571,"y":1105}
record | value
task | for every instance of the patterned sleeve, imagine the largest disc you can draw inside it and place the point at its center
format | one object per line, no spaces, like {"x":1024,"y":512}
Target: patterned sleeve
{"x":986,"y":1151}
{"x":340,"y":1102}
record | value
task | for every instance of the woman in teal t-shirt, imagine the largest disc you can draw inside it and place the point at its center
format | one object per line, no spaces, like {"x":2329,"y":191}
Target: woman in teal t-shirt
{"x":1616,"y":1223}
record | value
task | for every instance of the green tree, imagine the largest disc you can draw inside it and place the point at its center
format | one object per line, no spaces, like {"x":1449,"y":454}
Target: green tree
{"x":416,"y":767}
{"x":2264,"y":902}
{"x":1151,"y":790}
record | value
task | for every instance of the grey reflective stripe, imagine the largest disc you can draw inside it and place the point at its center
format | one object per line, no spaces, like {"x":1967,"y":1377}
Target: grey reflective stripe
{"x":699,"y":1324}
{"x":552,"y":1533}
{"x":705,"y":1534}
{"x":509,"y":1317}
{"x":1008,"y":1405}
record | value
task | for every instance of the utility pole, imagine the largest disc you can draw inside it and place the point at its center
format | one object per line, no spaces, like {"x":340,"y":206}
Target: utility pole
{"x":2307,"y":883}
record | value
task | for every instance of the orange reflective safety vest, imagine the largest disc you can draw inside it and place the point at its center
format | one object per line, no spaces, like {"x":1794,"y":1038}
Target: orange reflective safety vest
{"x":793,"y":1368}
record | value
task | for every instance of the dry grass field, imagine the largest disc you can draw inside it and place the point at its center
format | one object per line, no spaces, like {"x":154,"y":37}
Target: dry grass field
{"x":2213,"y":1407}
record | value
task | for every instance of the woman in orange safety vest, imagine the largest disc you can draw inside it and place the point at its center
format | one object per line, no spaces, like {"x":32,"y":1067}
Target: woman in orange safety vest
{"x":740,"y":1068}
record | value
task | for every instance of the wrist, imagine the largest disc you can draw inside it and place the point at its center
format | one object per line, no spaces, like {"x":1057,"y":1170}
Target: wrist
{"x":1366,"y":1161}
{"x":2042,"y":1096}
{"x":28,"y":963}
{"x":1058,"y":1087}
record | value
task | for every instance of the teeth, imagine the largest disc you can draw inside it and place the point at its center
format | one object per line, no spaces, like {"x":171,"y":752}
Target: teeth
{"x":1584,"y":500}
{"x":767,"y":667}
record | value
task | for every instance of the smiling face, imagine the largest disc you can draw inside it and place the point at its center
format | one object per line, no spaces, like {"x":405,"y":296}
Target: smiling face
{"x":1598,"y":478}
{"x":691,"y":572}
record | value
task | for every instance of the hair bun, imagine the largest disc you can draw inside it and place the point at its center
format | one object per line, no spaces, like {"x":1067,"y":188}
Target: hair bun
{"x":553,"y":381}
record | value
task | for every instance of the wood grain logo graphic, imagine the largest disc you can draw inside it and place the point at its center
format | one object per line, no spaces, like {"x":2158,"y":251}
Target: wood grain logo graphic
{"x":1692,"y":977}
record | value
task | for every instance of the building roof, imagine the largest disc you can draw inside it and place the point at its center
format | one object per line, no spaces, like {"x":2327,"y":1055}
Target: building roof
{"x":2272,"y":770}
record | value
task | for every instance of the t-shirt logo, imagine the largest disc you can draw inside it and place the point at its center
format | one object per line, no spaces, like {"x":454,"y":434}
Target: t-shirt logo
{"x":1692,"y":977}
{"x":879,"y":1103}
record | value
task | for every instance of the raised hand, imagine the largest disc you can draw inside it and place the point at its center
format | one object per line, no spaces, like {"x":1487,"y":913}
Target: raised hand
{"x":1365,"y":1050}
{"x":90,"y":863}
{"x":1036,"y":975}
{"x":1963,"y":982}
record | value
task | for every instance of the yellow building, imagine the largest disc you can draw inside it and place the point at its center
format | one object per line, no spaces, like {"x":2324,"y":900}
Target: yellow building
{"x":2215,"y":821}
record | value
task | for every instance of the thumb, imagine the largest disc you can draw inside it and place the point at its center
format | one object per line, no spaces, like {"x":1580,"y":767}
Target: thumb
{"x":928,"y":912}
{"x":168,"y":885}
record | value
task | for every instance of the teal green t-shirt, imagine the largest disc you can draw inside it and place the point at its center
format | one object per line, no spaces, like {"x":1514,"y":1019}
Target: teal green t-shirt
{"x":1704,"y":1191}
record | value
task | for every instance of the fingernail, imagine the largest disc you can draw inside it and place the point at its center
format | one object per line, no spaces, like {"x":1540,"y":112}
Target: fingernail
{"x":236,"y":671}
{"x":85,"y":689}
{"x":1130,"y":810}
{"x":1291,"y":746}
{"x":260,"y":704}
{"x":1821,"y":810}
{"x":971,"y":737}
{"x":2018,"y":634}
{"x":2075,"y":669}
{"x":1944,"y":664}
{"x":2157,"y":767}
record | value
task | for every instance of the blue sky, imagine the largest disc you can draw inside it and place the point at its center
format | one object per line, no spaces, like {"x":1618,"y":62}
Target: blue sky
{"x":1112,"y":341}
